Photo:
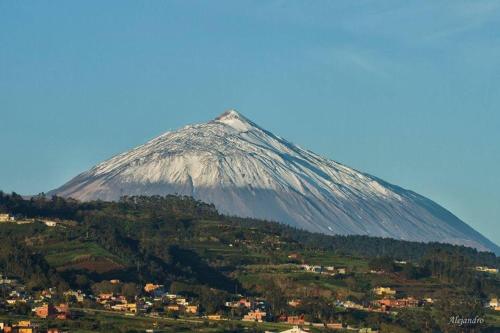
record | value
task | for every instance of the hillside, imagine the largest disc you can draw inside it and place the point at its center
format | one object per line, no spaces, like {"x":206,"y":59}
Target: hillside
{"x":190,"y":248}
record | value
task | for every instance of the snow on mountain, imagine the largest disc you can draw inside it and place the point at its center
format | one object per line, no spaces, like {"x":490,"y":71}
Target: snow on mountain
{"x":247,"y":171}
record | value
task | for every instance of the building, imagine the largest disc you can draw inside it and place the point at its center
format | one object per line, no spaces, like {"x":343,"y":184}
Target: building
{"x":182,"y":301}
{"x":487,"y":269}
{"x":125,"y":307}
{"x":246,"y":303}
{"x":193,"y":309}
{"x":384,"y":291}
{"x":6,"y":217}
{"x":295,"y":320}
{"x":78,"y":295}
{"x":150,"y":287}
{"x":242,"y":303}
{"x":352,"y":305}
{"x":47,"y":293}
{"x":312,"y":268}
{"x":341,"y":271}
{"x":49,"y":223}
{"x":6,"y":280}
{"x":173,"y":307}
{"x":494,"y":304}
{"x":256,"y":315}
{"x":388,"y":303}
{"x":104,"y":298}
{"x":214,"y":317}
{"x":44,"y":311}
{"x":334,"y":326}
{"x":60,"y":311}
{"x":24,"y":326}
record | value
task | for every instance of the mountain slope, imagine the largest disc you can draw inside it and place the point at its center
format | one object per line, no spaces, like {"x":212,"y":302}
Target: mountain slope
{"x":247,"y":171}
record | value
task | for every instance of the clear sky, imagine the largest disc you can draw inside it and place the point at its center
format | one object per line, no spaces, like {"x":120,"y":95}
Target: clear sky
{"x":408,"y":91}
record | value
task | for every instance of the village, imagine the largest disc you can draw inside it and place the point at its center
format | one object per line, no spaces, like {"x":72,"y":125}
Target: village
{"x":154,"y":301}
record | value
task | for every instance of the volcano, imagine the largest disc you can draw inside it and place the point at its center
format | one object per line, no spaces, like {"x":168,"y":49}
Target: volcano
{"x":245,"y":170}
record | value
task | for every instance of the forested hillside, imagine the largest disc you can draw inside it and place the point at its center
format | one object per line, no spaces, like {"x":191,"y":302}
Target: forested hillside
{"x":172,"y":209}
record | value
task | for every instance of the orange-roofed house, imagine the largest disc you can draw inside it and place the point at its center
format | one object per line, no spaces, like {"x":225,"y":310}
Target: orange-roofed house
{"x":173,"y":307}
{"x":214,"y":317}
{"x":193,"y":309}
{"x":256,"y":315}
{"x":45,"y":311}
{"x":295,"y":320}
{"x":150,"y":287}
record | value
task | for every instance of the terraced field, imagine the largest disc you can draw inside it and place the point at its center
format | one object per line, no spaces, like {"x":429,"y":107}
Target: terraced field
{"x":82,"y":255}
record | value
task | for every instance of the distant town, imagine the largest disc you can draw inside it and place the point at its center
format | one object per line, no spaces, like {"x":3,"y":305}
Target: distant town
{"x":154,"y":301}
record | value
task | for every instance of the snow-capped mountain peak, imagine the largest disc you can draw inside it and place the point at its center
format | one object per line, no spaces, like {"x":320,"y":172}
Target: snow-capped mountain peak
{"x":247,"y":171}
{"x":235,"y":120}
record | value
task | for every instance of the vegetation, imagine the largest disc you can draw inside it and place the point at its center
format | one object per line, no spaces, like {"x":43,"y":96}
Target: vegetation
{"x":189,"y":247}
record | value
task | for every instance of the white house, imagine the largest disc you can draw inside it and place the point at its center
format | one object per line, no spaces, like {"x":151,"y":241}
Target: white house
{"x":49,"y":223}
{"x":6,"y":217}
{"x":494,"y":303}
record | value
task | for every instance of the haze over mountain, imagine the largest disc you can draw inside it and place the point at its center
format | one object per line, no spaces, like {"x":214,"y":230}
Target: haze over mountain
{"x":247,"y":171}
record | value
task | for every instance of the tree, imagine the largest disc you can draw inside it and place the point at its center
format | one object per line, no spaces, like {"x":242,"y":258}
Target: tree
{"x":451,"y":310}
{"x":129,"y":290}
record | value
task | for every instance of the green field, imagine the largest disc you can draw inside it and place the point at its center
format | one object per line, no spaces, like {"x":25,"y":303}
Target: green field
{"x":68,"y":253}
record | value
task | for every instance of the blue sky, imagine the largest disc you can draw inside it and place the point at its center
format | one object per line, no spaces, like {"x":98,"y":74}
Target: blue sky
{"x":406,"y":90}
